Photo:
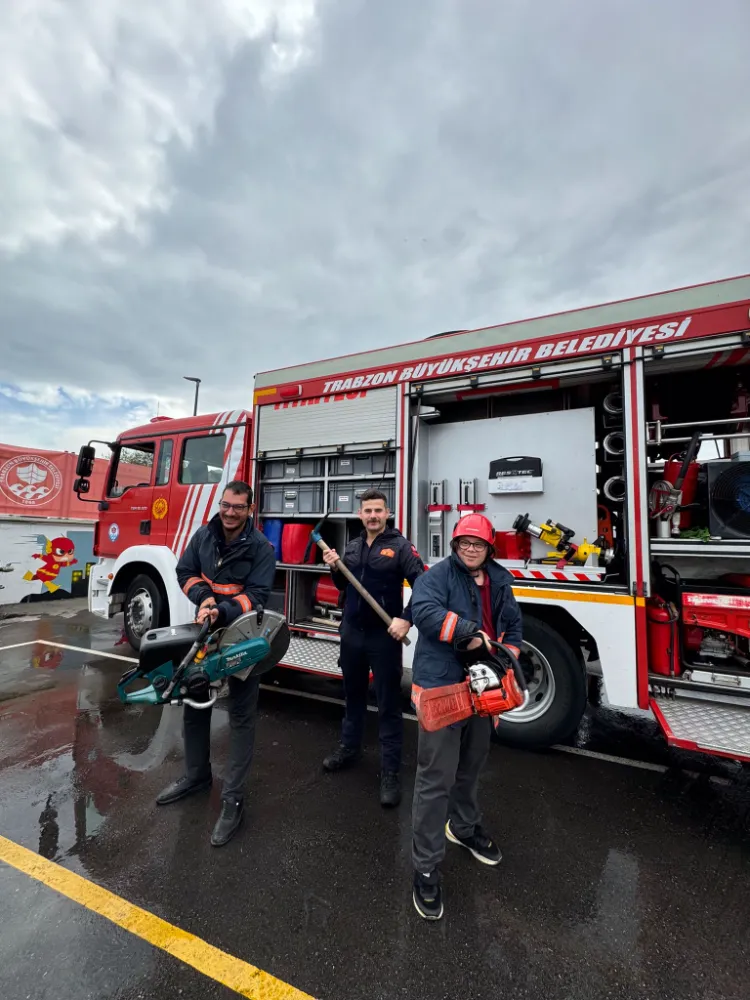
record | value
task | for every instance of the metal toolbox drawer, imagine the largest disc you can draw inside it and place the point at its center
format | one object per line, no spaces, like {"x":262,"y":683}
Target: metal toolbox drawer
{"x":344,"y":498}
{"x":304,"y":498}
{"x":362,"y":465}
{"x":309,"y":498}
{"x":293,"y":468}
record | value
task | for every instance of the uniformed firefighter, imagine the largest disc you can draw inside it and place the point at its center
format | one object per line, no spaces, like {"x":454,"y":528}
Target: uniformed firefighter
{"x":227,"y":570}
{"x":468,"y":592}
{"x":381,"y":558}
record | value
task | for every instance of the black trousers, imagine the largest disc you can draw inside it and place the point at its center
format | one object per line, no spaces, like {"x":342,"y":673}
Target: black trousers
{"x":243,"y":705}
{"x":449,"y":765}
{"x":361,"y":652}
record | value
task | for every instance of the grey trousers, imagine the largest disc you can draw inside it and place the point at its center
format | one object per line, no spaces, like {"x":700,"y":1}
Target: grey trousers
{"x":243,"y":704}
{"x":449,"y":763}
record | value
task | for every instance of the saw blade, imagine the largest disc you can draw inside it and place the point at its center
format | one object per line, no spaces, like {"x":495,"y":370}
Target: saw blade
{"x":273,"y":627}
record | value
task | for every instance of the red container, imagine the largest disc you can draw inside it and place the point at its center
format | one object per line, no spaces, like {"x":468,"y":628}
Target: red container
{"x":512,"y":545}
{"x":689,"y":486}
{"x":326,"y":592}
{"x":662,"y":638}
{"x":294,"y":539}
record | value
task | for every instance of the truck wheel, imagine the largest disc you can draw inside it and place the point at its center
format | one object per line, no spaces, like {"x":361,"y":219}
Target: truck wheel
{"x":143,"y":608}
{"x":557,"y":691}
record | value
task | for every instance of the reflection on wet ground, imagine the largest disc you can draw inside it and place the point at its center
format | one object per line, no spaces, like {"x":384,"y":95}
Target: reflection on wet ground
{"x":616,"y":882}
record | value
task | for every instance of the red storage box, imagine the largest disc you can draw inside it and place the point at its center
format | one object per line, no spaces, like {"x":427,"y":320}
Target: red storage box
{"x":512,"y":545}
{"x":294,"y":539}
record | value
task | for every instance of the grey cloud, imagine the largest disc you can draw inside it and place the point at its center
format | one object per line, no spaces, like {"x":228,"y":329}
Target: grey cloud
{"x":425,"y":167}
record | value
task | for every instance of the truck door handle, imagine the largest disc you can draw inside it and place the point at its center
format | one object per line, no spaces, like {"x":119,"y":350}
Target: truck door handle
{"x":145,"y":528}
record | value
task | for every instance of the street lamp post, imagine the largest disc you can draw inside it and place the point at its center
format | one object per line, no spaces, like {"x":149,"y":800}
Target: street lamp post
{"x":189,"y":378}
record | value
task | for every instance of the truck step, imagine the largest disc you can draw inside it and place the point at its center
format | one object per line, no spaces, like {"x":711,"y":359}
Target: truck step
{"x":696,"y":724}
{"x":306,"y":653}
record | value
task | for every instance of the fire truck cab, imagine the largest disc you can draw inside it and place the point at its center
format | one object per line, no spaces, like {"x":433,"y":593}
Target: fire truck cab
{"x":163,"y":482}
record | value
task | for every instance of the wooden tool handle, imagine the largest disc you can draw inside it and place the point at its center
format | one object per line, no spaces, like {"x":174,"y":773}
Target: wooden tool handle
{"x":360,"y":589}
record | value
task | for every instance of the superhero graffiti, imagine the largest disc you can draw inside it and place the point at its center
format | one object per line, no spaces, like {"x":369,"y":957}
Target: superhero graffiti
{"x":57,"y":554}
{"x":28,"y":561}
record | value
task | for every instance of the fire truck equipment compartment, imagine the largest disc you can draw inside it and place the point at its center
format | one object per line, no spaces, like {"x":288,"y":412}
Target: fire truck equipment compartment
{"x":563,"y":441}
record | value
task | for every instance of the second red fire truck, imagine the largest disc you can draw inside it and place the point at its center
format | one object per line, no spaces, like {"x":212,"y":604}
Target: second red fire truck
{"x":609,"y":446}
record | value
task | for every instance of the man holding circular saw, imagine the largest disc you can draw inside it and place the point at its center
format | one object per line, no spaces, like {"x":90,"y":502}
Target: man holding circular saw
{"x":226,"y":570}
{"x":380,"y":559}
{"x":461,"y":607}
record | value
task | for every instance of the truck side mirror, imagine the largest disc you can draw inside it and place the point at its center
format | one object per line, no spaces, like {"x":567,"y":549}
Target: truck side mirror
{"x":81,"y":486}
{"x":85,"y":464}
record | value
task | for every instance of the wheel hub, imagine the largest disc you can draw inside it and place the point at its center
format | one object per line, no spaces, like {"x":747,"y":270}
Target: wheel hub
{"x":140,"y":612}
{"x":541,"y":682}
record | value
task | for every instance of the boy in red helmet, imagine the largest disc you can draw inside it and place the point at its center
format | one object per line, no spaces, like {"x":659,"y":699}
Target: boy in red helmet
{"x":464,"y":594}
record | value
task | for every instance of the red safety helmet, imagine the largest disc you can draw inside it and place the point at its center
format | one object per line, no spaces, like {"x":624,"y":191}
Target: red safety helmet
{"x":475,"y":526}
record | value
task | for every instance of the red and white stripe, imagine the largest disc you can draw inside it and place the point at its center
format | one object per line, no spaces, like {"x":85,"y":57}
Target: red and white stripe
{"x":576,"y":575}
{"x":200,"y":498}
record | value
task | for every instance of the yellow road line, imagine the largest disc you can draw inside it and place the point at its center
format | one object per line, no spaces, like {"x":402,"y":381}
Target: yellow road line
{"x":243,"y":978}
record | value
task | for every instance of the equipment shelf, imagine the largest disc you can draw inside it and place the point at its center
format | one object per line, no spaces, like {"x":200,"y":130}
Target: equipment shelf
{"x":693,"y":547}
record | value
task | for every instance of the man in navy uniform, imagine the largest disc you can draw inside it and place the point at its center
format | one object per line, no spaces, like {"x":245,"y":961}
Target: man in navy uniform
{"x":381,"y":559}
{"x":226,"y":570}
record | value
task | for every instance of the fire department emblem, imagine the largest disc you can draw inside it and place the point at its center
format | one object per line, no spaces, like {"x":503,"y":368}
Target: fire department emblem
{"x":30,"y":480}
{"x":159,"y":508}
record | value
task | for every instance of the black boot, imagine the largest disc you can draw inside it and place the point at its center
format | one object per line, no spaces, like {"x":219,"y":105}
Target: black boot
{"x":182,"y":787}
{"x":228,"y":822}
{"x":341,"y":758}
{"x":390,"y":788}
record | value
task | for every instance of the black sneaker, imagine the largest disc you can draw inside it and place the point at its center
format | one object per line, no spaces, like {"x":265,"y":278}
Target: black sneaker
{"x":428,"y":899}
{"x":341,"y":758}
{"x":481,"y":846}
{"x":390,"y":788}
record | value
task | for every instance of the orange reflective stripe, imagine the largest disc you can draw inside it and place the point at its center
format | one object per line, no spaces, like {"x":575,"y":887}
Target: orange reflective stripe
{"x":514,"y":650}
{"x":227,"y":589}
{"x":449,"y":627}
{"x":245,"y":603}
{"x":191,"y":583}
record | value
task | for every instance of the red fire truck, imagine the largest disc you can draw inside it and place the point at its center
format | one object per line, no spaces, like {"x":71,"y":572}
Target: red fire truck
{"x":610,"y":447}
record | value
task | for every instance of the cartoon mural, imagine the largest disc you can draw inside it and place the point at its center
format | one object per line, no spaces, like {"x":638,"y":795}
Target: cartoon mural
{"x":46,"y":532}
{"x":44,"y":567}
{"x":58,"y":553}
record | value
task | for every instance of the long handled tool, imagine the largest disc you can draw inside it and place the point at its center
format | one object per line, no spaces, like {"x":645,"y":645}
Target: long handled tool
{"x":341,"y":568}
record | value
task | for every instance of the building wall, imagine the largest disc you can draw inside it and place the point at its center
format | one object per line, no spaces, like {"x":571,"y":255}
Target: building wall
{"x":31,"y":571}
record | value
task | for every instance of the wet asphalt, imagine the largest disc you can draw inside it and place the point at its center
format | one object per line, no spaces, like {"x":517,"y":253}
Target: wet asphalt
{"x":617,"y":881}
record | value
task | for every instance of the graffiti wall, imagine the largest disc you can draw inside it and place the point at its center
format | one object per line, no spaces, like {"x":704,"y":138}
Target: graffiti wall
{"x":46,"y":532}
{"x":44,"y":560}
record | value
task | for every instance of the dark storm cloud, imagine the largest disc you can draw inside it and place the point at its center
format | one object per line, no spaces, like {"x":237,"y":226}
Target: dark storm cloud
{"x":415,"y":168}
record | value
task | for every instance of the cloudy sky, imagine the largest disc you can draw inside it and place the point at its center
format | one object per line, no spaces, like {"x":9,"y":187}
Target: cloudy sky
{"x":218,"y":187}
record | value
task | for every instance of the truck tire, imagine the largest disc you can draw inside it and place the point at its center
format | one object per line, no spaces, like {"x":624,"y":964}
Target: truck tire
{"x":557,"y":687}
{"x":143,"y":609}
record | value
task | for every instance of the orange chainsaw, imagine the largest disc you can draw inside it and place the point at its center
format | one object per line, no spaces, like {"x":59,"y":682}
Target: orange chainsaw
{"x":495,"y":684}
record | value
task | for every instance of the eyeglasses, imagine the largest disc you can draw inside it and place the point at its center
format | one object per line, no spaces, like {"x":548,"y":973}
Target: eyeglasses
{"x":466,"y":544}
{"x":236,"y":507}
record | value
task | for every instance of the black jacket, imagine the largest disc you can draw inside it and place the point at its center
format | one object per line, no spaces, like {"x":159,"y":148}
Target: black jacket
{"x":381,"y":568}
{"x":238,"y":574}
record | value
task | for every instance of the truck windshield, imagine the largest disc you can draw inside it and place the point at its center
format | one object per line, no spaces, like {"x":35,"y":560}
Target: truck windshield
{"x":132,"y":466}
